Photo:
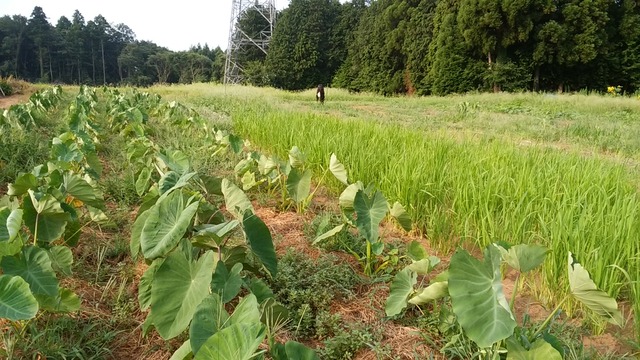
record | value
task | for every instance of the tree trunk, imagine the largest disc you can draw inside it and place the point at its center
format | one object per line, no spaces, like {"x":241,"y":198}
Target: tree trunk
{"x":560,"y":88}
{"x":496,"y":87}
{"x":50,"y":68}
{"x":536,"y":79}
{"x":41,"y":58}
{"x":104,"y":71}
{"x":93,"y":64}
{"x":79,"y":71}
{"x":18,"y":47}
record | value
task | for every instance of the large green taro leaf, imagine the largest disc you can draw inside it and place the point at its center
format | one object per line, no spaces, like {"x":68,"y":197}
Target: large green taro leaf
{"x":399,"y":291}
{"x":524,"y":257}
{"x":144,"y":286}
{"x":296,"y":157}
{"x":136,"y":233}
{"x":44,"y":217}
{"x":210,"y":316}
{"x":299,"y":185}
{"x":10,"y":223}
{"x":183,"y":352}
{"x":34,"y":266}
{"x":16,"y":300}
{"x":226,"y":283}
{"x":540,"y":349}
{"x":82,"y":190}
{"x":477,"y":297}
{"x":235,"y":199}
{"x":435,"y":291}
{"x":65,"y":301}
{"x":177,"y":289}
{"x":61,"y":259}
{"x":236,"y":342}
{"x":586,"y":291}
{"x":402,"y":216}
{"x":370,"y":213}
{"x":246,"y":312}
{"x":22,"y":184}
{"x":260,"y":241}
{"x":167,"y":222}
{"x":338,"y":170}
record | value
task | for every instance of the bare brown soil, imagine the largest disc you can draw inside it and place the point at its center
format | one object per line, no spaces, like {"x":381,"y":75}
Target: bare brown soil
{"x":7,"y":101}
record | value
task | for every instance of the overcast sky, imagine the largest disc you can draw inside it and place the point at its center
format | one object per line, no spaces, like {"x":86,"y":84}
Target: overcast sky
{"x":175,"y":25}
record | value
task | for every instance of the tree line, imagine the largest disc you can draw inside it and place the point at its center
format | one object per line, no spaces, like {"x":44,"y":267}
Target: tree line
{"x":75,"y":51}
{"x":385,"y":46}
{"x":454,"y":46}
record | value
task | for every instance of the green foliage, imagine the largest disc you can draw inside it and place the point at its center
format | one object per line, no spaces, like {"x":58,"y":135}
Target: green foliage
{"x":307,"y":287}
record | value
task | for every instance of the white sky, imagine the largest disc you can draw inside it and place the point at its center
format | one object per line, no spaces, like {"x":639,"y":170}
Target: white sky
{"x":175,"y":25}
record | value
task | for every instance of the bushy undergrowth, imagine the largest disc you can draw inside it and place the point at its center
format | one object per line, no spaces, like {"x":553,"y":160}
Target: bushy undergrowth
{"x":307,"y":287}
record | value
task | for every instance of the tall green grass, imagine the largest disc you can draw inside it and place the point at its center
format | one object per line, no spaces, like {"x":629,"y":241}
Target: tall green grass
{"x":468,"y":188}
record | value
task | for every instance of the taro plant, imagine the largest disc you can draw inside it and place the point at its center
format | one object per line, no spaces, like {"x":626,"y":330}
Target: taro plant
{"x":198,"y":266}
{"x":290,"y":178}
{"x":363,"y":209}
{"x":482,"y":309}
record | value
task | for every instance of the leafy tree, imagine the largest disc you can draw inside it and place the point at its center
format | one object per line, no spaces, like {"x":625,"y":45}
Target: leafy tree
{"x":40,"y":31}
{"x":299,"y":54}
{"x":13,"y":31}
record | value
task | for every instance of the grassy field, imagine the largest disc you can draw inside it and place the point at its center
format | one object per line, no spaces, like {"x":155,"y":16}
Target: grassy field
{"x":557,"y":170}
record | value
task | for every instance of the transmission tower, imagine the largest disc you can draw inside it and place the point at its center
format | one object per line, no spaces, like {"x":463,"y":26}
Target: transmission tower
{"x":240,"y":40}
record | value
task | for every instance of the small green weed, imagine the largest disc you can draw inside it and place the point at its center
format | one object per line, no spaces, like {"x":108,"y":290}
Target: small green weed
{"x":307,"y":287}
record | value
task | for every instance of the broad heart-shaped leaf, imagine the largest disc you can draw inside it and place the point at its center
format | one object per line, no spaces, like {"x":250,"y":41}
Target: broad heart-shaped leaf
{"x":540,"y":349}
{"x":22,"y":184}
{"x":246,"y":312}
{"x":226,"y":283}
{"x":259,"y":288}
{"x":260,"y":241}
{"x":236,"y":143}
{"x":80,"y":189}
{"x":175,"y":160}
{"x":183,"y":352}
{"x":296,"y":157}
{"x":586,"y":291}
{"x":44,"y":217}
{"x":337,"y":169}
{"x":61,"y":259}
{"x":73,"y":228}
{"x":299,"y":185}
{"x":400,"y":214}
{"x":216,"y":233}
{"x":348,"y":195}
{"x":416,"y":251}
{"x":142,"y":182}
{"x":399,"y":291}
{"x":167,"y":222}
{"x":432,"y":292}
{"x":34,"y":266}
{"x":477,"y":298}
{"x":210,"y":316}
{"x":328,"y":234}
{"x":177,"y":289}
{"x":235,"y":199}
{"x":168,"y":181}
{"x":424,"y":266}
{"x":296,"y":351}
{"x":144,"y":286}
{"x":10,"y":223}
{"x":136,"y":233}
{"x":524,"y":257}
{"x":370,"y":213}
{"x":66,"y":301}
{"x":16,"y":300}
{"x":236,"y":342}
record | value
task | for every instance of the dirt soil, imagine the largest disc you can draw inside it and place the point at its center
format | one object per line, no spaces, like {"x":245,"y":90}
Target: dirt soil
{"x":7,"y":101}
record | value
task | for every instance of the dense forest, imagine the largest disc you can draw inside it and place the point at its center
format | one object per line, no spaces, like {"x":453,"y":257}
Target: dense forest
{"x":95,"y":52}
{"x":384,"y":46}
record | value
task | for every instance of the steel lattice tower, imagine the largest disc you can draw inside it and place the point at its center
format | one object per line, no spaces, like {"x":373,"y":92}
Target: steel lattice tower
{"x":241,"y":39}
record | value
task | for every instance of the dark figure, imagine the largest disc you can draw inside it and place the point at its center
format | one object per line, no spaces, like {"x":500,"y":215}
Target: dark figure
{"x":320,"y":94}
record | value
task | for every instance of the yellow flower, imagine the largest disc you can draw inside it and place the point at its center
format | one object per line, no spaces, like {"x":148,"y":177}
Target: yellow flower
{"x":611,"y":89}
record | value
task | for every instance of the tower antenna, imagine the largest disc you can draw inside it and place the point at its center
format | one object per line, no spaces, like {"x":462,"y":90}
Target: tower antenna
{"x":243,"y":40}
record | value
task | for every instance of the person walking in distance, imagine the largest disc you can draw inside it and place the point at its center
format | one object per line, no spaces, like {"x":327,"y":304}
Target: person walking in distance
{"x":320,"y":94}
